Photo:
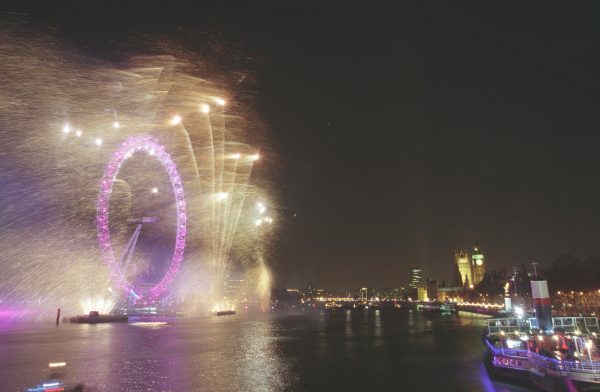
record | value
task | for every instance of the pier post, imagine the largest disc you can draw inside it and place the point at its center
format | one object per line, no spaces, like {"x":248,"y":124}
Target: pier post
{"x":57,"y":316}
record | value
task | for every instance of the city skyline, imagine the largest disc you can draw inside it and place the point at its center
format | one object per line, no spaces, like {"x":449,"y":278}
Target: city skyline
{"x":274,"y":196}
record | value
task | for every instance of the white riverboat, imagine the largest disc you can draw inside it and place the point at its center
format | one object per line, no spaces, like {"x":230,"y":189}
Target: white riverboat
{"x":563,"y":359}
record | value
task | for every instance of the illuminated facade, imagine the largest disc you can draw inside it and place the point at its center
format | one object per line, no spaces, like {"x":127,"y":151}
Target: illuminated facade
{"x":432,"y":290}
{"x":464,"y":267}
{"x":234,"y":285}
{"x":478,"y":263}
{"x":416,"y":277}
{"x":470,"y":268}
{"x":365,"y":294}
{"x":422,"y":294}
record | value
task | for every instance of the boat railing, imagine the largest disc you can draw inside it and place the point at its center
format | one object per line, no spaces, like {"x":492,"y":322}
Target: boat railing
{"x":576,"y":369}
{"x":577,"y":324}
{"x":590,"y":377}
{"x":508,"y":325}
{"x":524,"y":325}
{"x":508,"y":352}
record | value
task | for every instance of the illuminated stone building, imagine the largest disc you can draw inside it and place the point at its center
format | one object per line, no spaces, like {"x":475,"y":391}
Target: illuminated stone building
{"x":432,"y":289}
{"x":422,"y":294}
{"x":463,"y":264}
{"x":478,"y":264}
{"x":471,"y":269}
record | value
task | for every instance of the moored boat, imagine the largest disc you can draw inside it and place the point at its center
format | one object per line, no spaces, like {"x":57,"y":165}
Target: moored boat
{"x":561,"y":361}
{"x":548,"y":353}
{"x":225,"y":312}
{"x":96,"y":318}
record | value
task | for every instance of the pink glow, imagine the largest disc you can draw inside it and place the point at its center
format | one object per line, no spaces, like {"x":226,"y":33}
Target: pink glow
{"x":129,"y":147}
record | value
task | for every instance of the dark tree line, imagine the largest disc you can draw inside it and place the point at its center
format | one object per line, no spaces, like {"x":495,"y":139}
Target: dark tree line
{"x":569,"y":272}
{"x":566,"y":273}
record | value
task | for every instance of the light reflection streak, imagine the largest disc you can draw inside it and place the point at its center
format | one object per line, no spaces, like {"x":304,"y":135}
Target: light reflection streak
{"x":263,"y":367}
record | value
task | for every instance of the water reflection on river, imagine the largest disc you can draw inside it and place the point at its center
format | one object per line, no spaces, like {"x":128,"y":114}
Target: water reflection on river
{"x":374,"y":350}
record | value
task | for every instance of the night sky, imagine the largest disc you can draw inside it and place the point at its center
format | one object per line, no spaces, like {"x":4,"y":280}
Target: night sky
{"x":402,"y":133}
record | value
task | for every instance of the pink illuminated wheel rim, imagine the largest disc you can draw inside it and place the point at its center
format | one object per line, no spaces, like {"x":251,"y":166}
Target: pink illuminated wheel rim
{"x":150,"y":145}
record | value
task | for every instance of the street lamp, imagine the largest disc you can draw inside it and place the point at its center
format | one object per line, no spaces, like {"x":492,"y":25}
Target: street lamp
{"x":519,"y":311}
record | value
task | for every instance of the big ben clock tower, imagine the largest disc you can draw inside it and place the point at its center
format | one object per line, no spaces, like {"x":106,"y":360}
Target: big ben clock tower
{"x":477,"y":264}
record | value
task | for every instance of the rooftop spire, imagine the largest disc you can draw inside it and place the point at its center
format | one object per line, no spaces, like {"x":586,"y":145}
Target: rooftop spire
{"x":536,"y":274}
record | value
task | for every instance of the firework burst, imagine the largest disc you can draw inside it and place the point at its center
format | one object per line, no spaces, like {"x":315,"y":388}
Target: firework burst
{"x":62,"y":116}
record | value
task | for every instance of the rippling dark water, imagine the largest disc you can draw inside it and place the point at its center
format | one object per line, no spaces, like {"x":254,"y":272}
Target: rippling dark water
{"x":366,"y":350}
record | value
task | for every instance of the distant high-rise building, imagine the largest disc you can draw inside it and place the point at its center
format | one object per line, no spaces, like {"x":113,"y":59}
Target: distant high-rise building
{"x":310,"y":289}
{"x":234,"y":285}
{"x":365,"y":294}
{"x":416,"y":277}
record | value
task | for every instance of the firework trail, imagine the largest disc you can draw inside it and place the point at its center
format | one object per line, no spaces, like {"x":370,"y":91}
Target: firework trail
{"x":62,"y":115}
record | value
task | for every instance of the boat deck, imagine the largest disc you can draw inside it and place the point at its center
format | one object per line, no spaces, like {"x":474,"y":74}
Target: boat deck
{"x":552,"y":361}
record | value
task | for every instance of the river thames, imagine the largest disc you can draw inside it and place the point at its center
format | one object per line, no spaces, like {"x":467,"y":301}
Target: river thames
{"x":359,"y":350}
